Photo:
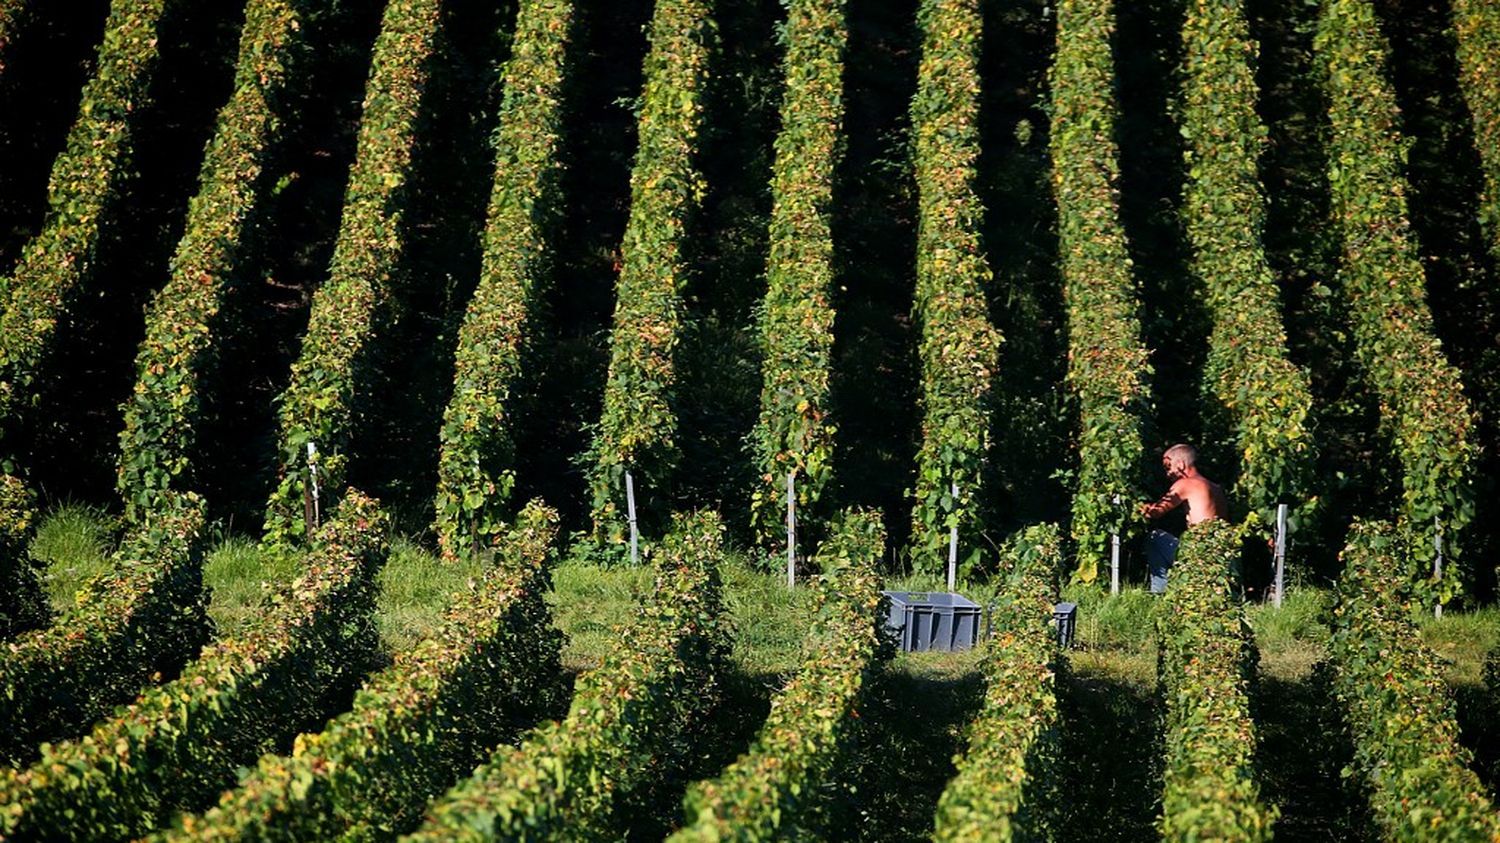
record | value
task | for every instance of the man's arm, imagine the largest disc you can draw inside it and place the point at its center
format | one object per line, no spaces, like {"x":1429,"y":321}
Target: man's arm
{"x":1170,"y":501}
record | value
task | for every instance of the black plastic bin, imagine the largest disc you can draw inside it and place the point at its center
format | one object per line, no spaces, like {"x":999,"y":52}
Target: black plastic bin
{"x":933,"y":620}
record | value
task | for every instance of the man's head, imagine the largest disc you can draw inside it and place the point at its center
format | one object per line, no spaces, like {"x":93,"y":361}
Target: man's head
{"x":1179,"y":459}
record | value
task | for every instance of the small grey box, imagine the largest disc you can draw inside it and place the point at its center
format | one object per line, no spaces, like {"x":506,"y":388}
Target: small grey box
{"x":933,"y":620}
{"x":1065,"y":616}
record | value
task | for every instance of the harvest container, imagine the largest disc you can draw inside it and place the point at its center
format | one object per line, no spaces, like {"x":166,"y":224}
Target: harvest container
{"x":1065,"y":618}
{"x":932,"y":620}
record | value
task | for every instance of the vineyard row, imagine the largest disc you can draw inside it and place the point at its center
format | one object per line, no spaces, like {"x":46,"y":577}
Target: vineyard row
{"x":1207,"y":665}
{"x":959,"y":349}
{"x":638,"y":426}
{"x":180,"y":743}
{"x":1108,"y":365}
{"x":1423,"y":410}
{"x":766,"y":793}
{"x":1399,"y":709}
{"x":420,"y":724}
{"x":793,"y":434}
{"x":476,"y":472}
{"x":1259,"y":394}
{"x":146,"y":616}
{"x":163,"y":412}
{"x":317,"y":410}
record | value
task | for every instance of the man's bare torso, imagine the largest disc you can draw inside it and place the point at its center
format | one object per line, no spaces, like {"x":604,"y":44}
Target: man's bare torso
{"x":1205,"y":500}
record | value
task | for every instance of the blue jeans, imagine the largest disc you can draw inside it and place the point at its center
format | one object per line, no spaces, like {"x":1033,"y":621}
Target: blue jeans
{"x":1161,"y":549}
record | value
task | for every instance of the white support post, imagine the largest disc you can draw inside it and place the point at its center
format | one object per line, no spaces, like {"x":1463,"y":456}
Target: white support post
{"x":635,"y":536}
{"x":1281,"y":528}
{"x":312,"y":473}
{"x":1114,"y":558}
{"x":474,"y":519}
{"x":953,"y":544}
{"x":791,"y":529}
{"x":1437,"y":561}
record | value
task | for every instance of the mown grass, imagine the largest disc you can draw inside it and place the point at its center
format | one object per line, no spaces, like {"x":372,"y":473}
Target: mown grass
{"x":1461,"y":640}
{"x":415,"y":588}
{"x":591,"y":605}
{"x":239,"y":574}
{"x":74,"y":543}
{"x":1293,"y":638}
{"x":1115,"y":635}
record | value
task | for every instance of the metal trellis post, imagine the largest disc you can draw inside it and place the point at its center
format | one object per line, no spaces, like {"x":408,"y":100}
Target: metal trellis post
{"x":791,"y":529}
{"x":312,"y":473}
{"x":1114,"y":557}
{"x":635,"y":536}
{"x":953,"y":544}
{"x":1281,"y":525}
{"x":1437,"y":561}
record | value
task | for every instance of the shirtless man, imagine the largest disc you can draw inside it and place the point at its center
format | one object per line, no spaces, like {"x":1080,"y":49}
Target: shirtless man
{"x":1205,"y":502}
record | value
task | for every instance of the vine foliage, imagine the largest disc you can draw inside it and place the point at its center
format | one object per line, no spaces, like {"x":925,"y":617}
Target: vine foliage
{"x":14,"y":15}
{"x":959,"y":348}
{"x":23,"y":604}
{"x":146,"y":616}
{"x":1477,"y":26}
{"x":794,"y":434}
{"x":476,"y":458}
{"x":638,"y":428}
{"x":492,"y":668}
{"x":1108,"y":365}
{"x":182,"y":742}
{"x":1423,"y":411}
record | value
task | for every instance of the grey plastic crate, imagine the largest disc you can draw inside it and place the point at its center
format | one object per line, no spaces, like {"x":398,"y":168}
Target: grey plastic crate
{"x":1065,"y":617}
{"x":933,"y":620}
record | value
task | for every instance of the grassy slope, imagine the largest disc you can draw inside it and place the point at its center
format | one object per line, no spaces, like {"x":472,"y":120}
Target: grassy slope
{"x":912,"y":724}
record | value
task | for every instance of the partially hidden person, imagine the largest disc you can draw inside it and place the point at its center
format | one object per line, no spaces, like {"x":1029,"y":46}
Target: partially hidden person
{"x":1203,"y":498}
